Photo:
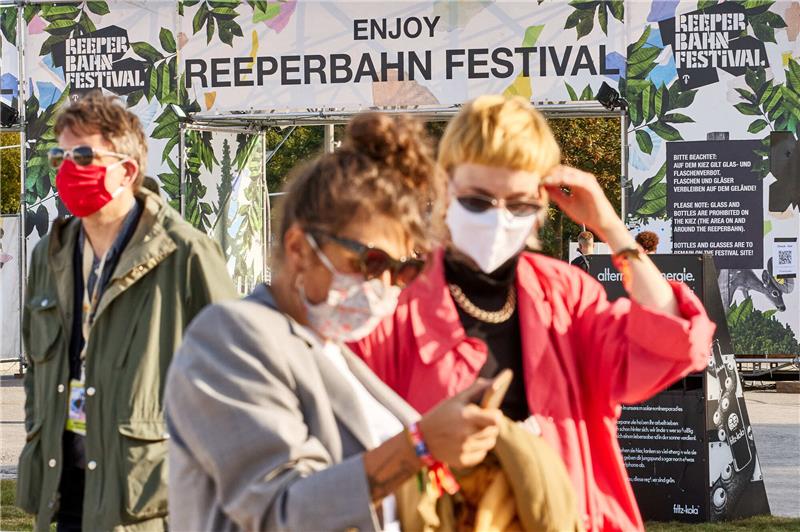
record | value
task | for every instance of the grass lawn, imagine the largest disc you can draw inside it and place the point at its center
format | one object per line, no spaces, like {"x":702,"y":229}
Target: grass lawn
{"x":13,"y":519}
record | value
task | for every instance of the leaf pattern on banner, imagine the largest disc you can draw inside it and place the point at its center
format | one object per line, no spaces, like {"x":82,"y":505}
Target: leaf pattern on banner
{"x":171,"y":183}
{"x":161,"y":73}
{"x":8,"y":23}
{"x":199,"y":152}
{"x":649,"y":200}
{"x":582,"y":18}
{"x":772,"y":104}
{"x":395,"y":92}
{"x":585,"y":95}
{"x":216,"y":16}
{"x":763,"y":21}
{"x":224,"y":191}
{"x":650,"y":106}
{"x":249,"y":156}
{"x":65,"y":20}
{"x":39,"y":175}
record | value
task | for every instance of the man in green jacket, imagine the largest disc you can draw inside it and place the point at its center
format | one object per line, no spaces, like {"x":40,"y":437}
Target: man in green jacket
{"x":110,"y":292}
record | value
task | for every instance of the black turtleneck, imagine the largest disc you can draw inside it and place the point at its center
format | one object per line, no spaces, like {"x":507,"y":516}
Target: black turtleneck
{"x":490,"y":292}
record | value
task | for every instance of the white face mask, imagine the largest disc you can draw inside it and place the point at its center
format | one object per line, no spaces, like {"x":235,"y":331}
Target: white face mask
{"x":489,"y":238}
{"x":353,"y":308}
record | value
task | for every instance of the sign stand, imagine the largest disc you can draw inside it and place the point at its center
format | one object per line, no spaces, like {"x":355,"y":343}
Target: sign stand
{"x":690,"y":451}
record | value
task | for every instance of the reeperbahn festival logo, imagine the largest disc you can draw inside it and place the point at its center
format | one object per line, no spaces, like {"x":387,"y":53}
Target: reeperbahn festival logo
{"x":95,"y":60}
{"x":707,"y":39}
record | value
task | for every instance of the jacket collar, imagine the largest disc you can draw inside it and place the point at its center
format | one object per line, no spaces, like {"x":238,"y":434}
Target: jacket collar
{"x":431,"y":303}
{"x":343,"y":401}
{"x":149,"y":245}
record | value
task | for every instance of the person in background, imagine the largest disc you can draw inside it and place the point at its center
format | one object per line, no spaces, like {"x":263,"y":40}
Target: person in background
{"x":109,"y":295}
{"x":648,"y":240}
{"x":484,"y":305}
{"x":275,"y":424}
{"x":585,"y":248}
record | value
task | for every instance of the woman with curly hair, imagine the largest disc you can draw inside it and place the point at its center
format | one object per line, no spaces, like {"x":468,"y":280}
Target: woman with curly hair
{"x":274,"y":424}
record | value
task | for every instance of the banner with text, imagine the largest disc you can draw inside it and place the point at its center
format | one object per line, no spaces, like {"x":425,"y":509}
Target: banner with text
{"x":281,"y":56}
{"x":714,"y":106}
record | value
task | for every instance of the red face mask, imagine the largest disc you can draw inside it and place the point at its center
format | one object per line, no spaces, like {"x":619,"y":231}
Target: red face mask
{"x":83,"y":188}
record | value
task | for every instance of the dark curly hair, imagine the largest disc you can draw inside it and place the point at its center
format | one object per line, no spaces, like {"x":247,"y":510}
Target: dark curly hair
{"x":648,"y":240}
{"x":384,"y":166}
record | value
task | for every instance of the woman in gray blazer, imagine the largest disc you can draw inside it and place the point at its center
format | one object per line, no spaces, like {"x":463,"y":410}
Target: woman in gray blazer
{"x":274,"y":424}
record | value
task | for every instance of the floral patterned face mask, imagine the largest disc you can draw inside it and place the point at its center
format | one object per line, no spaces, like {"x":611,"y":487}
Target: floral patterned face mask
{"x":353,"y":308}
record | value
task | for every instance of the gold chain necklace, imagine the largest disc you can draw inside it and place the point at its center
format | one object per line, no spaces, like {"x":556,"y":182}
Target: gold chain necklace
{"x":497,"y":316}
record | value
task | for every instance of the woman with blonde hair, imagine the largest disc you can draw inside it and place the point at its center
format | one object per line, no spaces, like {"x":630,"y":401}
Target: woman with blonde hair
{"x":485,"y":304}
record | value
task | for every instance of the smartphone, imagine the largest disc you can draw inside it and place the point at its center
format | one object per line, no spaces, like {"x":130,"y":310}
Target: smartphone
{"x":494,"y":394}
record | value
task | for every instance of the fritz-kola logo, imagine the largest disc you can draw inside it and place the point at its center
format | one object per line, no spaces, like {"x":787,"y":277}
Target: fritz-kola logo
{"x":95,"y":60}
{"x":685,"y":509}
{"x":703,"y":41}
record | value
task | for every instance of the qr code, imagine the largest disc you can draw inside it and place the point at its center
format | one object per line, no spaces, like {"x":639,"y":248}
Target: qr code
{"x":784,"y":256}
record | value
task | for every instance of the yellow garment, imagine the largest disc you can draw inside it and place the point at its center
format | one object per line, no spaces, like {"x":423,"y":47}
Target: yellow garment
{"x":532,"y":472}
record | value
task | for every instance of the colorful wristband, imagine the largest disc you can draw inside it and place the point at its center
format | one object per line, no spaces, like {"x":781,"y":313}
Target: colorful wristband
{"x":440,"y":478}
{"x":420,"y":448}
{"x":621,"y":261}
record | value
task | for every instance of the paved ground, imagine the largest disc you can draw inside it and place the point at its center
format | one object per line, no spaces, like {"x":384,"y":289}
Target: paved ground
{"x":776,"y":428}
{"x":12,"y":428}
{"x":775,"y":418}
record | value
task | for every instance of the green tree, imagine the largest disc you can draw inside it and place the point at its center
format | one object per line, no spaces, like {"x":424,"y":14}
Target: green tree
{"x":9,"y":172}
{"x":593,"y":145}
{"x":303,"y":144}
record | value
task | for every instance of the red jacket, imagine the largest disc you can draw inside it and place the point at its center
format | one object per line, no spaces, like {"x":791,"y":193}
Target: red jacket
{"x":582,"y":357}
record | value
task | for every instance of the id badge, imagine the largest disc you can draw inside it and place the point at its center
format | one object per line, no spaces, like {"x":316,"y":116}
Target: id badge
{"x":77,"y":408}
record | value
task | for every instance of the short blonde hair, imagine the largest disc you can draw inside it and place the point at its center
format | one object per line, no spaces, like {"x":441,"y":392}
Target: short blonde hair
{"x":503,"y":132}
{"x":106,"y":115}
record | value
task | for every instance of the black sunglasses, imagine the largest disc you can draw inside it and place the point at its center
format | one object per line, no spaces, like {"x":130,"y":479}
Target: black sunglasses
{"x":372,"y":262}
{"x":481,"y":203}
{"x":80,"y":155}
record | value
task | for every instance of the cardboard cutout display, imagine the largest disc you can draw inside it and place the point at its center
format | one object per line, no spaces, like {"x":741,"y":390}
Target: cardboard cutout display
{"x":690,"y":451}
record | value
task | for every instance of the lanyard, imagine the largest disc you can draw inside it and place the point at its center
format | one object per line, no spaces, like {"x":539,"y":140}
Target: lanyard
{"x":90,"y":302}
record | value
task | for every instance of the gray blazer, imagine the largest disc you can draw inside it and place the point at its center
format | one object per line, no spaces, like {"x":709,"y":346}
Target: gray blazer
{"x":266,"y":433}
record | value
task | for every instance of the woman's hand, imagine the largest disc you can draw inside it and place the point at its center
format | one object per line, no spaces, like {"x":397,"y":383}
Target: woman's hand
{"x":458,"y":432}
{"x":586,"y":204}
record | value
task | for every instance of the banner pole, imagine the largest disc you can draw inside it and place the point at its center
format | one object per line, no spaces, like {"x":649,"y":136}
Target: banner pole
{"x":328,"y":143}
{"x":623,"y":180}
